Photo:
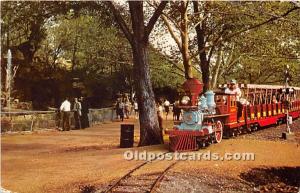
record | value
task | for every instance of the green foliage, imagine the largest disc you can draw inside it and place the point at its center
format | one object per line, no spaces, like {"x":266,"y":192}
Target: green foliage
{"x":163,"y":73}
{"x":265,"y":51}
{"x":80,"y":39}
{"x":250,"y":41}
{"x":73,"y":40}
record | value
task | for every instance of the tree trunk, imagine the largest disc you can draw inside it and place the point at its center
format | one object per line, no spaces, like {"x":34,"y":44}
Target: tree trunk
{"x":204,"y":64}
{"x":217,"y":70}
{"x":74,"y":53}
{"x":150,"y":133}
{"x":185,"y":41}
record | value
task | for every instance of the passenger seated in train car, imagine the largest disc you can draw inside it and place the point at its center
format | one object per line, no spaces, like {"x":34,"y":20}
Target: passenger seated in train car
{"x":274,"y":99}
{"x":234,"y":89}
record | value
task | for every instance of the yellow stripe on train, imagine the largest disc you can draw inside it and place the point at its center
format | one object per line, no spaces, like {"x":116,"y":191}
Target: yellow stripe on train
{"x":258,"y":115}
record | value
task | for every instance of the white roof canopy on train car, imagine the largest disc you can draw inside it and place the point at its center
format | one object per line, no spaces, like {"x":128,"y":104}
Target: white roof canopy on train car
{"x":296,"y":88}
{"x":259,"y":86}
{"x":264,"y":86}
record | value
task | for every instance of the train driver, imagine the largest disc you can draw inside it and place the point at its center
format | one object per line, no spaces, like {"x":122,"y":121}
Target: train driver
{"x":234,"y":89}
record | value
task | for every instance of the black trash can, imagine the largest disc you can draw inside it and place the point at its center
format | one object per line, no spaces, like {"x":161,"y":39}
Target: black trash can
{"x":127,"y":135}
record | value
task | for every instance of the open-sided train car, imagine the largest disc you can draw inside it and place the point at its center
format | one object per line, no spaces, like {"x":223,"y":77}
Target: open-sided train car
{"x":208,"y":118}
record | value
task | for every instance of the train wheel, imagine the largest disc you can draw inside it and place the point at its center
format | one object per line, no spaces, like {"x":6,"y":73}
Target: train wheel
{"x":253,"y":128}
{"x":240,"y":130}
{"x":218,"y":132}
{"x":201,"y":144}
{"x":231,"y":133}
{"x":248,"y":129}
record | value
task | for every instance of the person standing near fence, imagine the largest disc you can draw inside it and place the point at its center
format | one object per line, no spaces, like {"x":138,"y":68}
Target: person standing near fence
{"x":117,"y":106}
{"x":176,"y":110}
{"x":77,"y":113}
{"x":127,"y":108}
{"x":136,"y":109}
{"x":121,"y":110}
{"x":159,"y":110}
{"x":167,"y":108}
{"x":84,"y":113}
{"x":65,"y":108}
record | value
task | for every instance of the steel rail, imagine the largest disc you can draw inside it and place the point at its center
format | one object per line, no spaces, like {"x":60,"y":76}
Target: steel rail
{"x":135,"y":169}
{"x":161,"y":177}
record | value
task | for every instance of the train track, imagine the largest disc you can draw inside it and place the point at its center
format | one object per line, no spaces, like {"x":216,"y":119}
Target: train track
{"x":142,"y":179}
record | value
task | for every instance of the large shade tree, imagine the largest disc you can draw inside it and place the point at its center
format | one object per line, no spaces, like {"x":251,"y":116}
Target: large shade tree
{"x":138,"y":37}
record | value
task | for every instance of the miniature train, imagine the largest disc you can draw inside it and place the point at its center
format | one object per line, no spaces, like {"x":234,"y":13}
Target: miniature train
{"x":208,"y":118}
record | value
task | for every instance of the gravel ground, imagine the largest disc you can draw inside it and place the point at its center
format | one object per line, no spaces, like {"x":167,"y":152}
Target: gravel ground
{"x":274,"y":179}
{"x":202,"y":182}
{"x":275,"y":133}
{"x":262,"y":178}
{"x":281,"y":179}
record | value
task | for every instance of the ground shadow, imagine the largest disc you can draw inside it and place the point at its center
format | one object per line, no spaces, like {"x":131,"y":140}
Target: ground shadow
{"x":278,"y":179}
{"x":87,"y":189}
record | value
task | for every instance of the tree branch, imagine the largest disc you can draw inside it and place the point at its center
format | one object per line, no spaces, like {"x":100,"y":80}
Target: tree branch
{"x":260,"y":24}
{"x":246,"y":29}
{"x":154,"y":18}
{"x":174,"y":64}
{"x":213,"y":47}
{"x":172,"y":32}
{"x":121,"y":22}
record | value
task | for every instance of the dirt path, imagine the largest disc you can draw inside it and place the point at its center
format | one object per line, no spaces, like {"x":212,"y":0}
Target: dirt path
{"x":54,"y":161}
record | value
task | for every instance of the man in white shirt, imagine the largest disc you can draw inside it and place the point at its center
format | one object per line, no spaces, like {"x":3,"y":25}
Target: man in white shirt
{"x":159,"y":110}
{"x":65,"y":108}
{"x":234,"y":89}
{"x":136,"y":109}
{"x":167,"y":108}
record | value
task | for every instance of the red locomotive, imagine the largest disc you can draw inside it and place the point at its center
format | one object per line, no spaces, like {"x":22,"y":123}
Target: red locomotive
{"x":208,"y":118}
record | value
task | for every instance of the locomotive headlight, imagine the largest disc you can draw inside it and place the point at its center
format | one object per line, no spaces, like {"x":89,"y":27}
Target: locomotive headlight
{"x":185,"y":100}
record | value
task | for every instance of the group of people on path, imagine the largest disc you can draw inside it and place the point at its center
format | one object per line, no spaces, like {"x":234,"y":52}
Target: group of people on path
{"x":166,"y":107}
{"x":80,"y":110}
{"x":124,"y":108}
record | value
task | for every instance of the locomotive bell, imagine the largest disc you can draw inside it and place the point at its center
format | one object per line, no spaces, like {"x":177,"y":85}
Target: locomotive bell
{"x":193,"y":87}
